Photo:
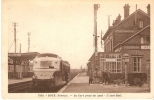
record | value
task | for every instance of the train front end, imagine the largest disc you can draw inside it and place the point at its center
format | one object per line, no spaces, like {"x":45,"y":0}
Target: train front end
{"x":45,"y":67}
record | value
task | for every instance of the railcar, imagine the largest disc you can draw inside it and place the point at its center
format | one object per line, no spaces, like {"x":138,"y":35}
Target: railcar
{"x":50,"y":70}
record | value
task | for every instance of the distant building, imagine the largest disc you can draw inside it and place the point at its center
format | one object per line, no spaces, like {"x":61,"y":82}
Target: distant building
{"x":20,"y":65}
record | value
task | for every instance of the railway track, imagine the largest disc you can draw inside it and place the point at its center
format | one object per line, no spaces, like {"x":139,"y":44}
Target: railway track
{"x":25,"y":87}
{"x":18,"y":87}
{"x":51,"y":90}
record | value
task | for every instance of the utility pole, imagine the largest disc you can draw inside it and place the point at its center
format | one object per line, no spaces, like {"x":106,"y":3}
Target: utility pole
{"x":101,"y":39}
{"x":15,"y":24}
{"x":108,"y":21}
{"x":96,"y":6}
{"x":20,"y":47}
{"x":109,"y":16}
{"x":135,"y":22}
{"x":96,"y":63}
{"x":28,"y":41}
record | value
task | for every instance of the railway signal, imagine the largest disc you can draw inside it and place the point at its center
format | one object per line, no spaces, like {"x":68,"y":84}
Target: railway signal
{"x":96,"y":6}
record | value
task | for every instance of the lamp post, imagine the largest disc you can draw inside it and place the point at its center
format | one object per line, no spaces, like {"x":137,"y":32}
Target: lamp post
{"x":126,"y":60}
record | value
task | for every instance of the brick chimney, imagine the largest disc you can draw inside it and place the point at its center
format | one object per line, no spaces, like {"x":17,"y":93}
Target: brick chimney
{"x":148,"y":9}
{"x":116,"y":21}
{"x":113,"y":23}
{"x":126,"y":10}
{"x":119,"y":18}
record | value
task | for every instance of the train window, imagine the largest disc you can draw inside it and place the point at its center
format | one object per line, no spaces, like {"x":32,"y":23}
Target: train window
{"x":51,"y":66}
{"x":46,"y":63}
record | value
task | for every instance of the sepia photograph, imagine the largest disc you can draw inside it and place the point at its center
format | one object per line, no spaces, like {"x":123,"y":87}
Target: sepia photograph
{"x":76,"y":49}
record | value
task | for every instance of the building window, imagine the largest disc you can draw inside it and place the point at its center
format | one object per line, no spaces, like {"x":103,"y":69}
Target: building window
{"x":112,"y":62}
{"x":148,"y":39}
{"x":145,"y":40}
{"x":140,"y":24}
{"x":142,"y":40}
{"x":137,"y":64}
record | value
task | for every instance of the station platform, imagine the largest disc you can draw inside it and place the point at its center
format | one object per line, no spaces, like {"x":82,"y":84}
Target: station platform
{"x":80,"y":84}
{"x":13,"y":81}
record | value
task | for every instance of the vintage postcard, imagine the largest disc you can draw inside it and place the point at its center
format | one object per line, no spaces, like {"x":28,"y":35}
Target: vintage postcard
{"x":71,"y":49}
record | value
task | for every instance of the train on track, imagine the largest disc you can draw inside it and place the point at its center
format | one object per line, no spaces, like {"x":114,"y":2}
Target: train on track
{"x":50,"y":70}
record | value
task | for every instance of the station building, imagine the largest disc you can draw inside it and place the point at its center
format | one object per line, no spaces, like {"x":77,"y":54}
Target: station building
{"x":130,"y":35}
{"x":20,"y":64}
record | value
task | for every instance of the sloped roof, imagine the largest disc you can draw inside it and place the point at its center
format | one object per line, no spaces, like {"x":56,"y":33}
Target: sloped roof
{"x":133,"y":36}
{"x":139,"y":10}
{"x":91,"y":57}
{"x":132,"y":15}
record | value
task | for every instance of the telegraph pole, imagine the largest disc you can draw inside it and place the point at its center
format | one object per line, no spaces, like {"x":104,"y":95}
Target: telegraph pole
{"x":15,"y":24}
{"x":28,"y":41}
{"x":108,"y":21}
{"x":20,"y":47}
{"x":96,"y":65}
{"x":109,"y":16}
{"x":96,"y":6}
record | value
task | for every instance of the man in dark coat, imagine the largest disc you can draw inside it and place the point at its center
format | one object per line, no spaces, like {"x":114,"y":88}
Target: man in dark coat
{"x":108,"y":76}
{"x":90,"y":77}
{"x":105,"y":77}
{"x":102,"y":76}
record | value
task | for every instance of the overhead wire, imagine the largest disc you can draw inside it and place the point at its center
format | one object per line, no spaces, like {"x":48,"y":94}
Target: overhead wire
{"x":11,"y":46}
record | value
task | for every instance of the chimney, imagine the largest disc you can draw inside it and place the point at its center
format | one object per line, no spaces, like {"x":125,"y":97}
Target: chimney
{"x":116,"y":21}
{"x":126,"y":10}
{"x":148,"y":9}
{"x":113,"y":23}
{"x":119,"y":18}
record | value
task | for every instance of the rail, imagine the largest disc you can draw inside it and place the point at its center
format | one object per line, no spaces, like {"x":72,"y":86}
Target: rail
{"x":17,"y":87}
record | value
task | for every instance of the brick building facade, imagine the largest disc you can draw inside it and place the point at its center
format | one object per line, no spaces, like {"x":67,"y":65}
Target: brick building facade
{"x":130,"y":35}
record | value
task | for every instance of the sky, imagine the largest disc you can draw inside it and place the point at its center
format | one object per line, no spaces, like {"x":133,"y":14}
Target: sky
{"x":63,"y":28}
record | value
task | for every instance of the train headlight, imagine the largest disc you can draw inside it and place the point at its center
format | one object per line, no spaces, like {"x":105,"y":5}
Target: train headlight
{"x":34,"y":77}
{"x":51,"y":77}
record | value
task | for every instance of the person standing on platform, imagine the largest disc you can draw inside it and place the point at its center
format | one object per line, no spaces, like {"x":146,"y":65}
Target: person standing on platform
{"x":90,"y":77}
{"x":109,"y":76}
{"x":105,"y":77}
{"x":102,"y":76}
{"x":96,"y":76}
